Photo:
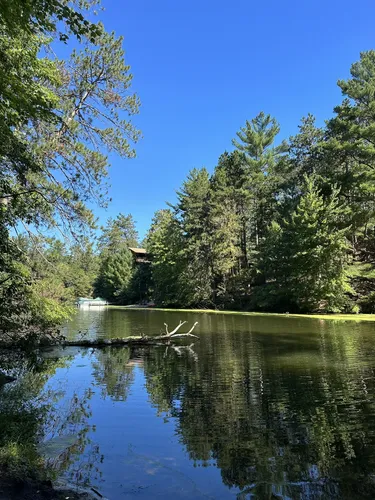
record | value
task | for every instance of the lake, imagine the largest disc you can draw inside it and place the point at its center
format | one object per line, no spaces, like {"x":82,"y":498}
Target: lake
{"x":260,"y":406}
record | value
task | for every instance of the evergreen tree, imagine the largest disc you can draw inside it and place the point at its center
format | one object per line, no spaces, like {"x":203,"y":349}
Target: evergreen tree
{"x":236,"y":172}
{"x":115,"y":274}
{"x":304,"y":157}
{"x":140,"y":287}
{"x":224,"y":234}
{"x":118,"y":233}
{"x":350,"y":148}
{"x":164,"y":243}
{"x":351,"y":143}
{"x":192,"y":210}
{"x":305,"y":257}
{"x":116,"y":262}
{"x":256,"y":143}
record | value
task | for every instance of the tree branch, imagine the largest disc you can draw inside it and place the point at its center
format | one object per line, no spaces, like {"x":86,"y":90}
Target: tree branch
{"x":176,"y":329}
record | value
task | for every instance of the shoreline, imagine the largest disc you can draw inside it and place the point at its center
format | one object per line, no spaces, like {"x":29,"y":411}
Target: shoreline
{"x":337,"y":317}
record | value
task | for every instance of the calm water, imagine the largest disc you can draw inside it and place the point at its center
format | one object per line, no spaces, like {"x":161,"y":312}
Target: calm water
{"x":259,"y":407}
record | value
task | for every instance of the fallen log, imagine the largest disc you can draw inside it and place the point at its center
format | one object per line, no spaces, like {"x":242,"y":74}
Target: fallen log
{"x":134,"y":340}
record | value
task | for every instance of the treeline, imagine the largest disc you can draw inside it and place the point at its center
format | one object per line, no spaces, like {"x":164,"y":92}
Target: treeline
{"x":284,"y":226}
{"x":278,"y":226}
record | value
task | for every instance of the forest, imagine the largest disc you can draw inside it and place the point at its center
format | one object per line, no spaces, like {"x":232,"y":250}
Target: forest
{"x":284,"y":226}
{"x":281,"y":225}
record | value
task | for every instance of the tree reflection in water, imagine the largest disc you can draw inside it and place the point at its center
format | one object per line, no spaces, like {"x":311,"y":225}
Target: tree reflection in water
{"x":291,"y":424}
{"x":42,"y":430}
{"x":280,"y":414}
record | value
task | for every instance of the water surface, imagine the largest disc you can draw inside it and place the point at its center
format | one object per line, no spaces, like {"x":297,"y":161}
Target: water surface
{"x":259,"y":407}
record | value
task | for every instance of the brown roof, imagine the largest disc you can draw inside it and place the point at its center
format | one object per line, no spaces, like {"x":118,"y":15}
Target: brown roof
{"x":138,"y":250}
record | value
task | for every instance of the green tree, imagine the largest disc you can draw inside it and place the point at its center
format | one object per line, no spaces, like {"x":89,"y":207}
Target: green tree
{"x":25,"y":95}
{"x":164,"y":243}
{"x":44,"y":16}
{"x":118,"y":233}
{"x":57,"y":119}
{"x":256,"y":143}
{"x":350,"y":143}
{"x":350,"y":148}
{"x":83,"y":265}
{"x":224,"y":230}
{"x":141,"y":285}
{"x":116,"y":267}
{"x":236,"y":172}
{"x":115,"y":273}
{"x":305,"y":157}
{"x":192,"y":210}
{"x":305,"y":257}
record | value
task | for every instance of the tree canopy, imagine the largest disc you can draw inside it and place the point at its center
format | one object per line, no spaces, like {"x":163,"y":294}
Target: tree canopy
{"x":59,"y":119}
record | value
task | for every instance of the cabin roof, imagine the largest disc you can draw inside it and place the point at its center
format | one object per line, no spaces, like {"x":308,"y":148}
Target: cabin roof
{"x":140,"y":251}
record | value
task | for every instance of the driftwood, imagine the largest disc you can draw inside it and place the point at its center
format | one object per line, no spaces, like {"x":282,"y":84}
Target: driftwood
{"x":134,"y":341}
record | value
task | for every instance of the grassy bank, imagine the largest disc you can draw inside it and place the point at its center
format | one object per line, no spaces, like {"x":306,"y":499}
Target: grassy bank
{"x":335,"y":317}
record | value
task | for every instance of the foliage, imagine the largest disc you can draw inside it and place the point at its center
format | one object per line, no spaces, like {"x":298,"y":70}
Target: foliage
{"x":256,"y":143}
{"x":164,"y":243}
{"x":115,"y":273}
{"x":139,"y":290}
{"x":280,"y":226}
{"x":305,"y":256}
{"x":50,"y":276}
{"x":116,"y":270}
{"x":192,"y":213}
{"x":224,"y":232}
{"x":118,"y":233}
{"x":43,"y":16}
{"x":57,"y":121}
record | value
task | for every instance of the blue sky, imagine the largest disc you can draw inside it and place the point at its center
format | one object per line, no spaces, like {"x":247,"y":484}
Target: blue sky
{"x":202,"y":67}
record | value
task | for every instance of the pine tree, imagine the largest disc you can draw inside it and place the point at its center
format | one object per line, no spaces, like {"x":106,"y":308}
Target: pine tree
{"x":192,"y":210}
{"x":304,"y":158}
{"x":224,"y":231}
{"x":116,"y":262}
{"x":350,"y":148}
{"x":351,"y":142}
{"x":115,"y":274}
{"x":305,"y":257}
{"x":118,"y":233}
{"x":164,"y":243}
{"x":236,"y":172}
{"x":256,"y":143}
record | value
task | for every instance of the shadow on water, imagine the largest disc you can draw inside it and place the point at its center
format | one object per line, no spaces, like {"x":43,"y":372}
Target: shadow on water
{"x":259,"y":407}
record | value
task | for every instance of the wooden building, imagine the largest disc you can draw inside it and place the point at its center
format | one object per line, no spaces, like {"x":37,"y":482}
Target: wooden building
{"x":140,"y":255}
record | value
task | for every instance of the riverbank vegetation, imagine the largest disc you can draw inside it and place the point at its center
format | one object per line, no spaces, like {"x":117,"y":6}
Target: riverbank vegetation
{"x":59,"y":118}
{"x":279,"y":225}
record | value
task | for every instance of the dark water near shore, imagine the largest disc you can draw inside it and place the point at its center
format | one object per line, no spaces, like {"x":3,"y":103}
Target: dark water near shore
{"x":259,"y":407}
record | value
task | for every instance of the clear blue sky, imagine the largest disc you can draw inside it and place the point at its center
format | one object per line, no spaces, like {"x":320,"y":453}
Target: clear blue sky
{"x":202,"y":67}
